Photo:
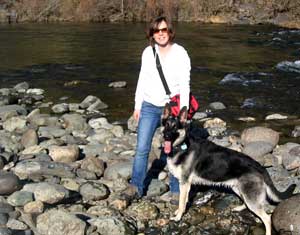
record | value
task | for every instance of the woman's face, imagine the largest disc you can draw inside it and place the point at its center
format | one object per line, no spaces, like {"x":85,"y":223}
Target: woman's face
{"x":161,"y":35}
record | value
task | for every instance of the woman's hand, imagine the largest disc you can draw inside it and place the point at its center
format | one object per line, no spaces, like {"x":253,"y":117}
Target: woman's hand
{"x":136,"y":114}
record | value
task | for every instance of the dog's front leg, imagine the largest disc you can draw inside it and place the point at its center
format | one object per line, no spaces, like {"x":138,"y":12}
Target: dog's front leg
{"x":183,"y":199}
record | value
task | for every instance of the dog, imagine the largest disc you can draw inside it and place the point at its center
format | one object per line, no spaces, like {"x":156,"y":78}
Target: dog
{"x":194,"y":160}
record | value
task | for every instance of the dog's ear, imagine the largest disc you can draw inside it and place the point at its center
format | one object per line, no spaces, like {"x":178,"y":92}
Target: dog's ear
{"x":166,"y":112}
{"x":183,"y":115}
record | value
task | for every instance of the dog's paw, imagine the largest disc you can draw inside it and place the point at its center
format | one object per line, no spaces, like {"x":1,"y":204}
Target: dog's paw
{"x":177,"y":217}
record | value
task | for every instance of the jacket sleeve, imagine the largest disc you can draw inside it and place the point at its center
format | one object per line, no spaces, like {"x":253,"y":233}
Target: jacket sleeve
{"x":185,"y":69}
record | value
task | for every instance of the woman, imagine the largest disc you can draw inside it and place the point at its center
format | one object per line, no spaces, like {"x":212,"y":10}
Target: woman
{"x":150,"y":96}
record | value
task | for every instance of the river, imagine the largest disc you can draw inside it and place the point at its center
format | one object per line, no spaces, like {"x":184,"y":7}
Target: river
{"x":76,"y":60}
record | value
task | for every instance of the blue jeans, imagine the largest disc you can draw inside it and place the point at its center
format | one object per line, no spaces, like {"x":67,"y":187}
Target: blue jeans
{"x":149,"y":121}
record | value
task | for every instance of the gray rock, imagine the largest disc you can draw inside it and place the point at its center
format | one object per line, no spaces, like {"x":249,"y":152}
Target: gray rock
{"x":67,"y":154}
{"x":9,"y":183}
{"x":288,"y":66}
{"x":29,"y":168}
{"x":94,"y":165}
{"x":9,"y":142}
{"x":296,"y":132}
{"x":21,"y":87}
{"x":291,"y":160}
{"x":217,"y":106}
{"x":5,"y":110}
{"x":47,"y":192}
{"x":42,"y":120}
{"x":73,"y":122}
{"x":51,"y":132}
{"x":94,"y":191}
{"x":59,"y":222}
{"x":286,"y":216}
{"x":95,"y":149}
{"x":5,"y":231}
{"x":92,"y":103}
{"x":35,"y":91}
{"x":111,"y":225}
{"x":118,"y":84}
{"x":60,"y":108}
{"x":5,"y":208}
{"x":156,"y":188}
{"x":100,"y":136}
{"x":20,"y":198}
{"x":29,"y":138}
{"x":85,"y":174}
{"x":3,"y":219}
{"x":258,"y":133}
{"x":117,"y":170}
{"x":15,"y":224}
{"x":14,"y":123}
{"x":257,"y":149}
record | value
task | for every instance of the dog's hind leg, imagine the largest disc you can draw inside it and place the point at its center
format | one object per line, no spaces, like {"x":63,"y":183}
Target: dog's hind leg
{"x":258,"y":210}
{"x":183,"y":199}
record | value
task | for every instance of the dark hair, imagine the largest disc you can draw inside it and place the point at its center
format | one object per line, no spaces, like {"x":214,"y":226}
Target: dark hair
{"x":154,"y":26}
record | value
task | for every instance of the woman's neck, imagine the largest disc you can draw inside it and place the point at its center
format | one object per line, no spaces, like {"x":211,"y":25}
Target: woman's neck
{"x":163,"y":50}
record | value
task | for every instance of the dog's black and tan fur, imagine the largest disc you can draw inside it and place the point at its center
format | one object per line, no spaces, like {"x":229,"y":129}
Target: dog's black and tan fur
{"x":203,"y":162}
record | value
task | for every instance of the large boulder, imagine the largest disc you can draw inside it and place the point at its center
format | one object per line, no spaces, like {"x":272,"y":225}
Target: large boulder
{"x":286,"y":216}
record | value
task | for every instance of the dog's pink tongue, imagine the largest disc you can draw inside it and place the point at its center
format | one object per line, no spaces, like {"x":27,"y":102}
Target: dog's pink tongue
{"x":167,"y":147}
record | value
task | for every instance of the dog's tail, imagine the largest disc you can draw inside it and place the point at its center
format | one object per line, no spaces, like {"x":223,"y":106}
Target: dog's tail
{"x":274,"y":194}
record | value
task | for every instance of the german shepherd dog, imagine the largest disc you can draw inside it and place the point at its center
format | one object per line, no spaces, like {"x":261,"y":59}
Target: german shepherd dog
{"x":198,"y":161}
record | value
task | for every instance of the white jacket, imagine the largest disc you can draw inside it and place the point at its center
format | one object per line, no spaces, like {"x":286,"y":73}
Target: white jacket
{"x":176,"y":67}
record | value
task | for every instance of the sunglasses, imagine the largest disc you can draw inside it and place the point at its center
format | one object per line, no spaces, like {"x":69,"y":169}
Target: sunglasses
{"x":163,"y":30}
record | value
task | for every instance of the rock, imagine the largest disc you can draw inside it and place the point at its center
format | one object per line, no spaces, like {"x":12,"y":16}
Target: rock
{"x":51,"y":132}
{"x":5,"y":231}
{"x":94,"y":165}
{"x":119,"y":84}
{"x":14,"y":124}
{"x":99,"y":123}
{"x":73,"y":122}
{"x":64,"y":154}
{"x":20,"y":198}
{"x":257,"y":149}
{"x":16,"y":224}
{"x":217,"y":106}
{"x":47,"y":192}
{"x":92,"y":103}
{"x":276,"y":116}
{"x":286,"y":216}
{"x":215,"y":126}
{"x":29,"y":138}
{"x":29,"y":168}
{"x":9,"y":183}
{"x":156,"y":188}
{"x":35,"y":207}
{"x":100,"y":136}
{"x":288,"y":66}
{"x":291,"y":160}
{"x":60,"y":108}
{"x":35,"y":91}
{"x":296,"y":132}
{"x":258,"y":133}
{"x":117,"y":170}
{"x":21,"y":87}
{"x":5,"y":208}
{"x":111,"y":225}
{"x":93,"y":150}
{"x":42,"y":120}
{"x":145,"y":210}
{"x":59,"y":222}
{"x":8,"y":111}
{"x":94,"y":191}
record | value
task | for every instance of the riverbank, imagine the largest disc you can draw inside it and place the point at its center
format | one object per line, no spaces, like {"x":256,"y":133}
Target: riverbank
{"x":277,"y":12}
{"x":64,"y":172}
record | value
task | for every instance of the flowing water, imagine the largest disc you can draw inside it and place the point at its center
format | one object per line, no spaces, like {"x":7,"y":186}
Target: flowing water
{"x":76,"y":60}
